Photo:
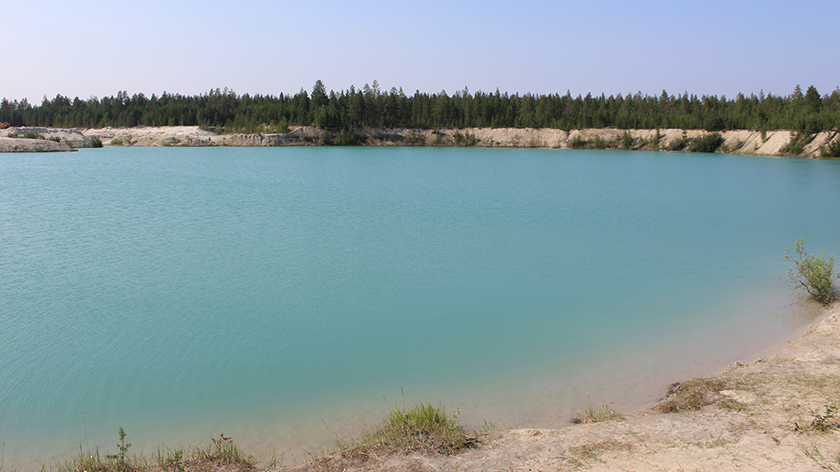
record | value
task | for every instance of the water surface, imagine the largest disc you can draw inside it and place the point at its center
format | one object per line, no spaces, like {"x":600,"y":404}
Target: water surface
{"x":287,"y":295}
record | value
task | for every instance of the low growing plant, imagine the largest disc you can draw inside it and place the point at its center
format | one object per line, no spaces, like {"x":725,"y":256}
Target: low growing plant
{"x":707,"y":143}
{"x":120,"y":458}
{"x":831,"y":149}
{"x":813,"y":274}
{"x":578,"y":143}
{"x":796,"y":145}
{"x":423,"y":427}
{"x":596,"y":414}
{"x":826,"y":421}
{"x":690,"y":395}
{"x":627,"y":141}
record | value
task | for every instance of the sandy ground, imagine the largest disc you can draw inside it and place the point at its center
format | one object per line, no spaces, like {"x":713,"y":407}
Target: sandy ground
{"x":770,"y":143}
{"x":31,"y":145}
{"x":763,"y":416}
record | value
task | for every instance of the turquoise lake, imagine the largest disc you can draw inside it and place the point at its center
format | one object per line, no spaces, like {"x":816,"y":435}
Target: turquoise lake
{"x":287,"y":296}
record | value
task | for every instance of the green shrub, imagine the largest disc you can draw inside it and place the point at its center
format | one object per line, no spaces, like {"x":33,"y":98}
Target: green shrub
{"x":796,"y":145}
{"x":707,"y":143}
{"x":423,"y":427}
{"x":679,"y":144}
{"x":831,"y":149}
{"x":578,"y":143}
{"x":95,"y":142}
{"x":627,"y":141}
{"x":327,"y":138}
{"x":33,"y":136}
{"x":813,"y":274}
{"x":599,"y":143}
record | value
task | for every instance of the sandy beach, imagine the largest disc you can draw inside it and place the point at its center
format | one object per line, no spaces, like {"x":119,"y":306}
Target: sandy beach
{"x":772,"y":414}
{"x":750,"y":142}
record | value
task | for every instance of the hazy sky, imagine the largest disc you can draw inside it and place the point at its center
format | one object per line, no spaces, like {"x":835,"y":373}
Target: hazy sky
{"x":96,"y":48}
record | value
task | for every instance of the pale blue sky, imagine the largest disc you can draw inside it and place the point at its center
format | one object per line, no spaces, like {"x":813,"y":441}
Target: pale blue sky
{"x":84,"y":48}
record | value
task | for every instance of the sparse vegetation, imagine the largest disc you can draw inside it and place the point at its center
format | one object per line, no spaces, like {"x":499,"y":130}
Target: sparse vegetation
{"x":423,"y":427}
{"x":348,"y":137}
{"x":832,"y":149}
{"x":627,"y":141}
{"x":710,"y":142}
{"x":578,"y":143}
{"x":596,"y":414}
{"x":813,"y":274}
{"x":221,"y":454}
{"x":678,"y":144}
{"x":95,"y":142}
{"x":797,"y":143}
{"x":827,"y":420}
{"x":691,"y":395}
{"x":466,"y":139}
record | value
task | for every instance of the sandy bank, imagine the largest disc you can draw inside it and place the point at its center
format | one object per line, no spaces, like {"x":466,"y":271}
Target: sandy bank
{"x":32,"y":145}
{"x":770,"y":143}
{"x":759,"y":417}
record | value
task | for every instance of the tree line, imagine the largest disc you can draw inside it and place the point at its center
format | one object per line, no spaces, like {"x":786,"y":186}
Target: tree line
{"x":227,"y":111}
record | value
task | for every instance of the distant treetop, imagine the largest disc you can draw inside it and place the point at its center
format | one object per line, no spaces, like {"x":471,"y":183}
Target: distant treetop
{"x":227,"y":111}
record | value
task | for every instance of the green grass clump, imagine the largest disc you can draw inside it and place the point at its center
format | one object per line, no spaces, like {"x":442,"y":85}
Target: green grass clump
{"x":596,"y":414}
{"x":220,"y":455}
{"x":826,"y":421}
{"x":421,"y":428}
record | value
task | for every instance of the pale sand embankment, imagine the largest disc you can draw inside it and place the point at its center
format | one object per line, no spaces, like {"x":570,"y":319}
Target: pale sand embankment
{"x":770,"y":143}
{"x":759,"y":418}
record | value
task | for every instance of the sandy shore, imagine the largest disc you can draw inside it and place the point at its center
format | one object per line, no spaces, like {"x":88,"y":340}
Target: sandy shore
{"x":770,"y":143}
{"x":32,"y":145}
{"x":763,"y":416}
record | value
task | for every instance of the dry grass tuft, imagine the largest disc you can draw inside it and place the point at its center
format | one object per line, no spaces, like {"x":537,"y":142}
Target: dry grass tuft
{"x":596,"y":414}
{"x":691,"y":395}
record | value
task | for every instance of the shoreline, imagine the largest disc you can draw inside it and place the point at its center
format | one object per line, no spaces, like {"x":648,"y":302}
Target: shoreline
{"x":758,"y":416}
{"x":749,"y":142}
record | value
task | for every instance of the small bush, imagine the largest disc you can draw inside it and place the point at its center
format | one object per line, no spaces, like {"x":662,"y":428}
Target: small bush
{"x":578,"y":143}
{"x":627,"y":141}
{"x":831,"y":149}
{"x":677,"y":144}
{"x":599,"y":143}
{"x":348,"y":137}
{"x":813,"y":274}
{"x":33,"y":136}
{"x":826,"y":421}
{"x":690,"y":395}
{"x":796,"y":145}
{"x":593,"y":414}
{"x":95,"y":142}
{"x":466,"y":139}
{"x":707,"y":143}
{"x":423,"y":427}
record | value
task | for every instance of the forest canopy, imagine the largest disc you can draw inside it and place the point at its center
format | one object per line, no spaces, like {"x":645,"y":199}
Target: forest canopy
{"x":227,"y":111}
